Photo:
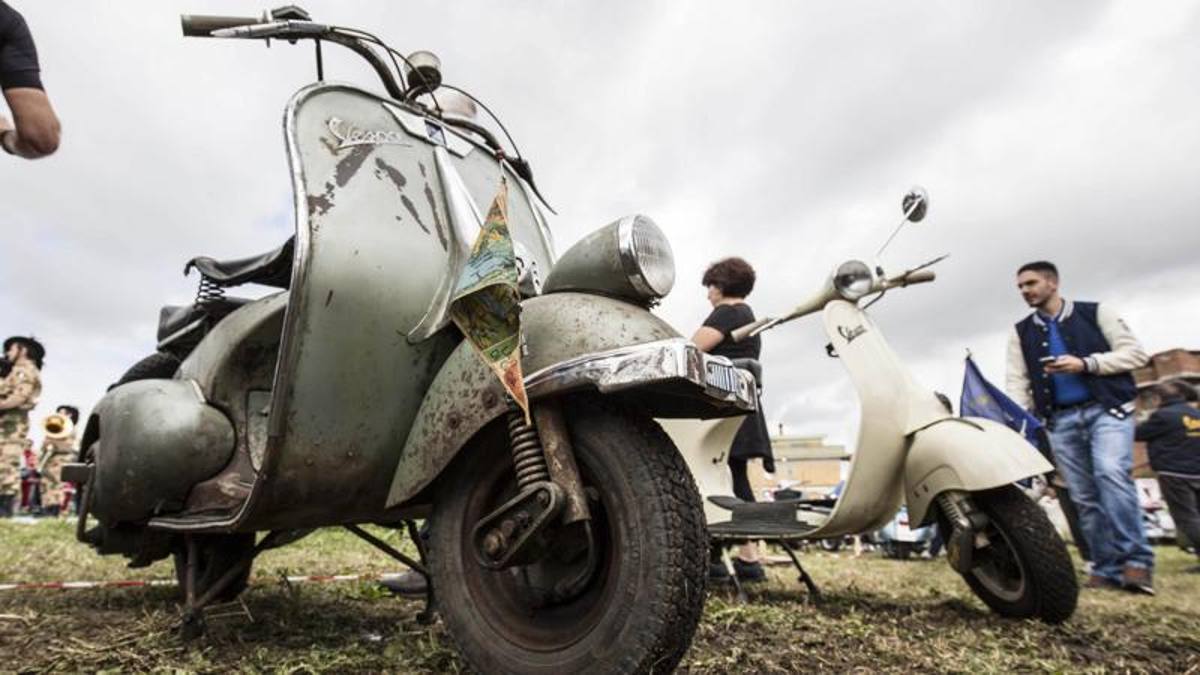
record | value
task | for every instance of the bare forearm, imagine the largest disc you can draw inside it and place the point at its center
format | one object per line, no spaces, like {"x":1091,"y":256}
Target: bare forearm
{"x":36,"y":130}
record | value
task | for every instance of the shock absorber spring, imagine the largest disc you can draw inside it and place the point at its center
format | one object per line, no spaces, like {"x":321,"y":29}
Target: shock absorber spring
{"x":208,"y":292}
{"x":528,"y":458}
{"x":953,"y":510}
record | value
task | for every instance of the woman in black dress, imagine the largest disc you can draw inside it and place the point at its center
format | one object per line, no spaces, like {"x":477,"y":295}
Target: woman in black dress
{"x":729,"y":281}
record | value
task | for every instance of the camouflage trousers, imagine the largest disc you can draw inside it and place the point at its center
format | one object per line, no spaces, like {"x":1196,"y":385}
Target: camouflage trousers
{"x":14,"y":432}
{"x":52,"y":484}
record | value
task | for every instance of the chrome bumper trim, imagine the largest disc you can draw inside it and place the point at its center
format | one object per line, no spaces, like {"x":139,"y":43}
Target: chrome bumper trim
{"x":669,"y":361}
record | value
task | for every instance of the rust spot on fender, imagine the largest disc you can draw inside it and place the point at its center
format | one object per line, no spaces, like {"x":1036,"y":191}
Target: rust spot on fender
{"x":412,"y":210}
{"x":320,"y":204}
{"x":437,"y":219}
{"x":351,"y":163}
{"x":391,"y":172}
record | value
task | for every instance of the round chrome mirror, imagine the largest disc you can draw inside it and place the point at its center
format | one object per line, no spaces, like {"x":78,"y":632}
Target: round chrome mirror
{"x":915,"y":204}
{"x":423,"y":72}
{"x":853,"y":279}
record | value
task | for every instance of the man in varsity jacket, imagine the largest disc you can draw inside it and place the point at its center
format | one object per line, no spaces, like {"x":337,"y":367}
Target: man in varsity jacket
{"x":1069,"y":363}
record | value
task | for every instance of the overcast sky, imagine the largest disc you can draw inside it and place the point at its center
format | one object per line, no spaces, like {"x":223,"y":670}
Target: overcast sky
{"x":783,"y":132}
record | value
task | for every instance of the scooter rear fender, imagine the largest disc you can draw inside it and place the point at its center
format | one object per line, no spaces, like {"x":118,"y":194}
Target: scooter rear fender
{"x":968,"y":454}
{"x":573,"y":342}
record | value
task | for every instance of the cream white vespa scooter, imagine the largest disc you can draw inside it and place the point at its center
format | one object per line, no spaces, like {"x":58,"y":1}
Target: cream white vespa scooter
{"x":956,"y":472}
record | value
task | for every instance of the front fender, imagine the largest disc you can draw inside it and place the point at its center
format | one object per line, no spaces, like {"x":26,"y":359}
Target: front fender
{"x":965,"y":453}
{"x":573,"y":341}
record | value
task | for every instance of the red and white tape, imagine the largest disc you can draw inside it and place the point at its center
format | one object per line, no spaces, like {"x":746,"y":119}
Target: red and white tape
{"x":73,"y":585}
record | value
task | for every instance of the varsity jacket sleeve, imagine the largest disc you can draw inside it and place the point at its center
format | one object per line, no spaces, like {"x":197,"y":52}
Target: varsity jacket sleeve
{"x":1127,"y":353}
{"x":1016,"y":377}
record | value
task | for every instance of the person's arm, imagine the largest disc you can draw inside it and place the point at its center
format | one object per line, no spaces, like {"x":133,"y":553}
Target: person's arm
{"x":1156,"y":425}
{"x":24,"y":388}
{"x":1126,"y":352}
{"x":36,"y":131}
{"x":716,"y":327}
{"x":707,"y":337}
{"x":1016,"y":377}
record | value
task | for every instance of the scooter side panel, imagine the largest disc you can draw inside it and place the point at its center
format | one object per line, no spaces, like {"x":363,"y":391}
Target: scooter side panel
{"x":372,"y":244}
{"x":465,"y":395}
{"x":874,"y":486}
{"x":965,"y":454}
{"x":705,"y":446}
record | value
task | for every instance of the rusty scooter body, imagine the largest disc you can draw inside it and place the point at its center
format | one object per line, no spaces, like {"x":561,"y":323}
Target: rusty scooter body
{"x":572,"y":542}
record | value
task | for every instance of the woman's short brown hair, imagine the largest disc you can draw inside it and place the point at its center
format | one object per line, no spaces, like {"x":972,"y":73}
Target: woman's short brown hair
{"x":734,"y":276}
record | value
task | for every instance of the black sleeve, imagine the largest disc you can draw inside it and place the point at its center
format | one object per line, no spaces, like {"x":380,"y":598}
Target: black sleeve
{"x":1157,"y":425}
{"x":725,"y":318}
{"x":18,"y":56}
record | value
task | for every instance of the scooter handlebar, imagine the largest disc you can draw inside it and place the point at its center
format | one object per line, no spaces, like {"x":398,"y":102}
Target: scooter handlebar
{"x":918,"y":277}
{"x":202,"y":25}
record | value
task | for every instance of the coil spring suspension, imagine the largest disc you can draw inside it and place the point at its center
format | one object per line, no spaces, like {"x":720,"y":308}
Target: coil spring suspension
{"x":208,"y":292}
{"x":953,"y":510}
{"x":528,"y":458}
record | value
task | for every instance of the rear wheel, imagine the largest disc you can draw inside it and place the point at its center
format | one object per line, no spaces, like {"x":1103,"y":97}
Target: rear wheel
{"x":1025,"y":570}
{"x":642,"y":595}
{"x":215,"y":555}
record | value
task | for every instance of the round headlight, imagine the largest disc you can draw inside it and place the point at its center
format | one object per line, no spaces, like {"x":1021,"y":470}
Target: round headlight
{"x":646,"y":256}
{"x":853,"y":279}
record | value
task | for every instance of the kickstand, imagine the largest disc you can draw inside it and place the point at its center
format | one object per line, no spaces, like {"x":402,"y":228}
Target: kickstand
{"x":737,"y":583}
{"x":426,"y":615}
{"x":804,"y":577}
{"x":193,"y":608}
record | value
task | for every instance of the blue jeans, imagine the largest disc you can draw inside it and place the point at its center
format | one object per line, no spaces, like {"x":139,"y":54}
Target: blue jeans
{"x":1094,"y":452}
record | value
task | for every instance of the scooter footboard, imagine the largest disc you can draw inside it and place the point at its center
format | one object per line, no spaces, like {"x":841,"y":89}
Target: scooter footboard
{"x":964,"y":453}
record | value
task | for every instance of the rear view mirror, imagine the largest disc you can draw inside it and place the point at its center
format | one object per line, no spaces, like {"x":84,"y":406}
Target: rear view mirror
{"x":915,"y":204}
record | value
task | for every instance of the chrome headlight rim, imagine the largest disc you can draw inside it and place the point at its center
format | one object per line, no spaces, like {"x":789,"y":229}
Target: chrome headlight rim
{"x":631,"y":261}
{"x":855,"y":283}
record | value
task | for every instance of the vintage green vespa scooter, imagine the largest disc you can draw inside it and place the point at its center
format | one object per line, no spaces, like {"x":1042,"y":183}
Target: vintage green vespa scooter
{"x":570,"y":543}
{"x":955,"y":472}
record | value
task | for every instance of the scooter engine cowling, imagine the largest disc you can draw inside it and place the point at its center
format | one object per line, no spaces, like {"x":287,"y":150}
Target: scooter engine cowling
{"x":158,"y":438}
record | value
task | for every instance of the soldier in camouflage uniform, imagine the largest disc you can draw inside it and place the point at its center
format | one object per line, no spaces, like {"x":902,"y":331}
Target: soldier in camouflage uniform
{"x":56,"y":451}
{"x":19,"y":391}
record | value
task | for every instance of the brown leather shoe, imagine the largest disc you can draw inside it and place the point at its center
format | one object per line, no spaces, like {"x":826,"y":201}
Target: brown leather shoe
{"x":1137,"y":580}
{"x":1097,"y":581}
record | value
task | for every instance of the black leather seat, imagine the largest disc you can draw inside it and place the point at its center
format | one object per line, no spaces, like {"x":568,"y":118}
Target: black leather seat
{"x":273,"y":268}
{"x":174,"y":318}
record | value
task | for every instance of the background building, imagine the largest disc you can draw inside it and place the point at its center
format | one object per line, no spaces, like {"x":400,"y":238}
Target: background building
{"x":1168,"y":365}
{"x":803,"y":463}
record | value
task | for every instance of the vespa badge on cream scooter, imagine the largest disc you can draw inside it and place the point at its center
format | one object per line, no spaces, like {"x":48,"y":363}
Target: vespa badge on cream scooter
{"x":957,"y":472}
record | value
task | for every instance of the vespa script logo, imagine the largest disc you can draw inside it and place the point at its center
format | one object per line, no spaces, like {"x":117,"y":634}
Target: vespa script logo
{"x":849,"y":334}
{"x":349,"y":135}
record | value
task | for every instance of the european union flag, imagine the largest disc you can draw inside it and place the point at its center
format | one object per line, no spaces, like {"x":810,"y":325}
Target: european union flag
{"x":981,"y":399}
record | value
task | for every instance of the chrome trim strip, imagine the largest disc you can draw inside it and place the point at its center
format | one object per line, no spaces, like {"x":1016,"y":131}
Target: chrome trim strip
{"x":465,"y":224}
{"x":628,"y":256}
{"x":670,"y":360}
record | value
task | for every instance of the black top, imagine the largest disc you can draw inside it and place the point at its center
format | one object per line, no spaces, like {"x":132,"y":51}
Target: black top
{"x":728,"y":318}
{"x":1172,"y":436}
{"x":18,"y":56}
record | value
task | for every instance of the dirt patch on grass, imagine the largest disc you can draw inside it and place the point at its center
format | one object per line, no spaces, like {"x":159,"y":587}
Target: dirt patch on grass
{"x":875,"y":615}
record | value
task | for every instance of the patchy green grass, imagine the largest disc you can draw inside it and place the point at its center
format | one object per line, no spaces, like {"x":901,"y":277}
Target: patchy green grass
{"x":876,"y":615}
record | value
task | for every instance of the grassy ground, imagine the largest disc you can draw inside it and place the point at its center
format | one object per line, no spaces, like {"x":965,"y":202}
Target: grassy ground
{"x":876,"y":615}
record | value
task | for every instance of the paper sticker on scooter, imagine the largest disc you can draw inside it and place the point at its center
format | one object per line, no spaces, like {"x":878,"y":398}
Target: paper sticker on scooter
{"x":487,"y":305}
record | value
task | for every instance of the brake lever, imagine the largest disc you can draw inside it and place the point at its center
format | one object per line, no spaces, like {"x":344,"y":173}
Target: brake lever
{"x":931,"y":263}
